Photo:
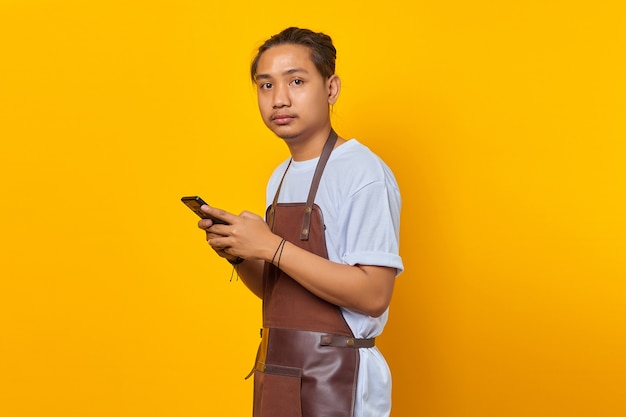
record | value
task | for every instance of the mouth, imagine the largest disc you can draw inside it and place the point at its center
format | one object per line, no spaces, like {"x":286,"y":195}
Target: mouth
{"x":282,"y":118}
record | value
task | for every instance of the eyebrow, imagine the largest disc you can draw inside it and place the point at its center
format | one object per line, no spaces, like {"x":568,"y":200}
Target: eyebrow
{"x":288,"y":72}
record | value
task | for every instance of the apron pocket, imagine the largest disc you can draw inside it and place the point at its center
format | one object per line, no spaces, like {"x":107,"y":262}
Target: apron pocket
{"x":277,"y":392}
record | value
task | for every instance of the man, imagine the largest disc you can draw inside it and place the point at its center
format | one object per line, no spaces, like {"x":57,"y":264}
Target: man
{"x":325,"y":259}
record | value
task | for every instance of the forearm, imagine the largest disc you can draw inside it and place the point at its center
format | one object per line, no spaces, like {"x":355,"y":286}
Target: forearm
{"x":363,"y":288}
{"x":251,"y":273}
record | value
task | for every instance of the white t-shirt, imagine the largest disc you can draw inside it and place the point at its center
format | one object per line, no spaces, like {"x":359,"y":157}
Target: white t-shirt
{"x":360,"y":203}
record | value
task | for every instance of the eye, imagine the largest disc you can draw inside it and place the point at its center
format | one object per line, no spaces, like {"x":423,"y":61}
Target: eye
{"x":297,"y":82}
{"x":265,"y":86}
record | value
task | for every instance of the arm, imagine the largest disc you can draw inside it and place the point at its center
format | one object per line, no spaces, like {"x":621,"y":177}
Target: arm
{"x":363,"y":288}
{"x":250,"y":271}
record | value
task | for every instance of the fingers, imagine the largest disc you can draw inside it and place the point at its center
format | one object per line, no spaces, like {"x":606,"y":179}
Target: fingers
{"x":217,"y":242}
{"x":229,"y":218}
{"x":204,"y":224}
{"x":211,"y":235}
{"x":244,"y":235}
{"x":249,"y":215}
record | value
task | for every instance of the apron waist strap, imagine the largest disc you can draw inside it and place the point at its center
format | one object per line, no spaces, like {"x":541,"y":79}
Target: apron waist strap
{"x":335,"y":340}
{"x":344,"y":341}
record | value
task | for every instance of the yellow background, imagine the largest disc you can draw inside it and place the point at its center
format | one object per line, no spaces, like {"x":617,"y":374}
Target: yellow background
{"x":503,"y":121}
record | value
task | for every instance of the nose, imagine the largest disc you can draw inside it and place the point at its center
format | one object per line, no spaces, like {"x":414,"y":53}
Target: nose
{"x":281,"y":96}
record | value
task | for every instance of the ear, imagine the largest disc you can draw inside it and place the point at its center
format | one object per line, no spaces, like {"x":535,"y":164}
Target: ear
{"x":334,"y":88}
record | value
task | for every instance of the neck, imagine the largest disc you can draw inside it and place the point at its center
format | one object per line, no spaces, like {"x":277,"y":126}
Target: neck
{"x":303,"y":149}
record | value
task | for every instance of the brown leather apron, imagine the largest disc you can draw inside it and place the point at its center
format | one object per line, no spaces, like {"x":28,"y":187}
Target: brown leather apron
{"x":308,"y":361}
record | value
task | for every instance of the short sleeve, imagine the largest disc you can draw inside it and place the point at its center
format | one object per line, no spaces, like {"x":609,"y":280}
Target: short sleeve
{"x":370,"y":224}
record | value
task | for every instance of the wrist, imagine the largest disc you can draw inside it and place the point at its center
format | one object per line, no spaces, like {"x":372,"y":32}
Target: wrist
{"x":270,"y":252}
{"x":235,"y":261}
{"x":279,"y":253}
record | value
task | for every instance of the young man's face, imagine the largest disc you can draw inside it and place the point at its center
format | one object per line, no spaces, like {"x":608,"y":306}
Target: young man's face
{"x":293,"y":96}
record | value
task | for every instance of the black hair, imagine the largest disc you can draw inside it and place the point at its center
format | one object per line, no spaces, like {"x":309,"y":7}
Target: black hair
{"x":323,"y":52}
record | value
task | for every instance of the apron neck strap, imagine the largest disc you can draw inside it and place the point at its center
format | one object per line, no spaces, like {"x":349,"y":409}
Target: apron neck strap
{"x":308,"y":209}
{"x":321,"y":164}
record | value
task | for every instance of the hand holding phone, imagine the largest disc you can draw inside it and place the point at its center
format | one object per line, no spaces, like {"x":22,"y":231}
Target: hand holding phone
{"x":194,"y":203}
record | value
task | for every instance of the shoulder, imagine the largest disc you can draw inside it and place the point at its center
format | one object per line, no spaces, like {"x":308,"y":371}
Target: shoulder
{"x":353,"y":151}
{"x":356,"y":163}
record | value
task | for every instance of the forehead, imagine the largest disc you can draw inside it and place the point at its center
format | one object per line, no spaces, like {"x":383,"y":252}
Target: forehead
{"x":282,"y":58}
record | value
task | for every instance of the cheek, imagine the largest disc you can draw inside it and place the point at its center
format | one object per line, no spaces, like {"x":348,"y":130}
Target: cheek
{"x":319,"y":103}
{"x":311,"y":100}
{"x":263,"y":106}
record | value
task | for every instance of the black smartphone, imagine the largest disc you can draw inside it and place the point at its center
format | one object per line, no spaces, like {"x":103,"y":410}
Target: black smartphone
{"x":194,"y":203}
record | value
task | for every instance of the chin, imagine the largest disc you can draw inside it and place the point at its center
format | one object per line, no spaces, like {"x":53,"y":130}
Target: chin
{"x":286,"y":134}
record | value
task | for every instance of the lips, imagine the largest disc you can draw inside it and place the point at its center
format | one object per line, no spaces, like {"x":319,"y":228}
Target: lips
{"x":282,"y":118}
